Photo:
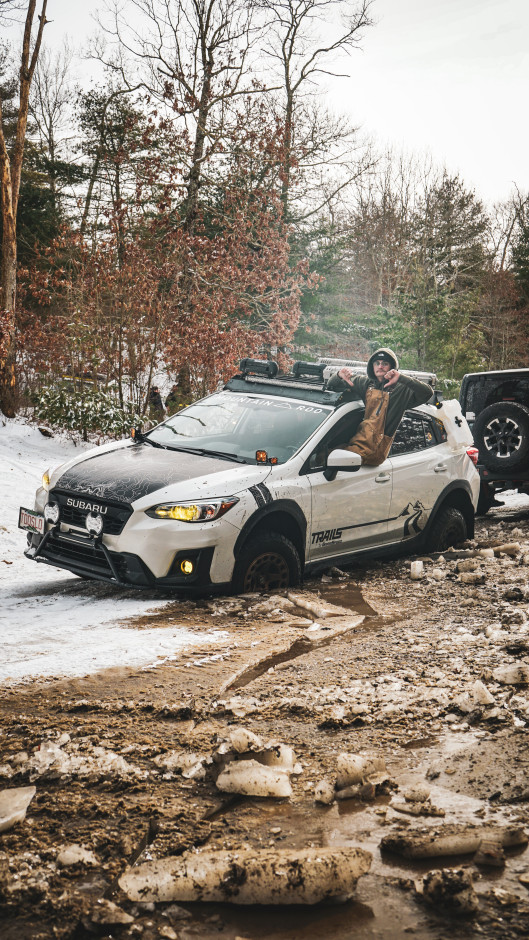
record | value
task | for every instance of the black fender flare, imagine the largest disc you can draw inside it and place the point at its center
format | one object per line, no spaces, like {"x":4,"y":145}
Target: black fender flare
{"x":285,"y":507}
{"x":456,"y":486}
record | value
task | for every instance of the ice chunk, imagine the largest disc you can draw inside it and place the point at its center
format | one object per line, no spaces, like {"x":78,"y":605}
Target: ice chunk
{"x":254,"y":779}
{"x":13,"y":805}
{"x":76,"y":855}
{"x":512,"y":675}
{"x":324,"y":792}
{"x":450,"y":840}
{"x":247,"y":876}
{"x":354,"y":768}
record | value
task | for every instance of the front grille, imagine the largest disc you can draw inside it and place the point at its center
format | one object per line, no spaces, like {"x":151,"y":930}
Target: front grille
{"x":114,"y":518}
{"x":85,"y":556}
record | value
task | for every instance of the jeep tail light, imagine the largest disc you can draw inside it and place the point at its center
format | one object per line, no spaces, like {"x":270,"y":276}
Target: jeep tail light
{"x":473,"y":453}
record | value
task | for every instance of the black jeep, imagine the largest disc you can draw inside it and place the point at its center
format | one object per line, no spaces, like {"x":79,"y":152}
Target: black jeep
{"x":496,"y":406}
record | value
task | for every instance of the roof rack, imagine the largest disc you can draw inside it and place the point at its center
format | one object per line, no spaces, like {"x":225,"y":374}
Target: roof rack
{"x":332,"y":366}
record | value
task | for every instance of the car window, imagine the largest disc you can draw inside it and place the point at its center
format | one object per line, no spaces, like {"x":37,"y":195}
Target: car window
{"x":338,"y":436}
{"x":415,"y":432}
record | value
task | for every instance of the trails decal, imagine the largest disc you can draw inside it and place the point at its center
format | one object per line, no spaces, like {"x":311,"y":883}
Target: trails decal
{"x":328,"y":535}
{"x":413,"y":515}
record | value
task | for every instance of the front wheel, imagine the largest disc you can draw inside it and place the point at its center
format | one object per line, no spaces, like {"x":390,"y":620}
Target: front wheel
{"x":449,"y":528}
{"x":268,"y":562}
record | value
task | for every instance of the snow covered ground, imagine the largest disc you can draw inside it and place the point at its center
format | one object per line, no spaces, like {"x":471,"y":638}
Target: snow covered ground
{"x":52,"y":623}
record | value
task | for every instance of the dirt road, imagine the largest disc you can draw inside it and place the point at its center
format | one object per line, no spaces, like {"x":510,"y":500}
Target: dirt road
{"x":432,"y":675}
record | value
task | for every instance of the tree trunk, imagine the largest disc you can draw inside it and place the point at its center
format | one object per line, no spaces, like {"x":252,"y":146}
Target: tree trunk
{"x":11,"y":170}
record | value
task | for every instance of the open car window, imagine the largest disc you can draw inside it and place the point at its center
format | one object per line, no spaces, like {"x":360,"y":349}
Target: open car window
{"x":338,"y":436}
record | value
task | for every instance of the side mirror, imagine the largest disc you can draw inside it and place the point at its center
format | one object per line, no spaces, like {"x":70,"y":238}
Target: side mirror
{"x":137,"y":435}
{"x":341,"y":460}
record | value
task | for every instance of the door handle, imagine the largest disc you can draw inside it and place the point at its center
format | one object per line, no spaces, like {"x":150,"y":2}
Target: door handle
{"x":440,"y":468}
{"x":382,"y":478}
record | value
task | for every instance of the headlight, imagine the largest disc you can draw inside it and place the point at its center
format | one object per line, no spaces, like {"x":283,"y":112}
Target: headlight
{"x":193,"y":512}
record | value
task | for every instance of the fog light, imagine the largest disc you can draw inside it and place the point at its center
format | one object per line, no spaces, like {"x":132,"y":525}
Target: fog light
{"x":186,"y":566}
{"x":94,"y":523}
{"x":51,"y":512}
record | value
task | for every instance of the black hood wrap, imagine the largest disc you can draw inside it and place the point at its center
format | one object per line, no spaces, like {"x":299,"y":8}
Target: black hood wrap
{"x":129,"y":473}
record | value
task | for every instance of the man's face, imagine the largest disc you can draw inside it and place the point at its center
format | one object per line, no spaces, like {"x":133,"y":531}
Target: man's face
{"x":380,"y":368}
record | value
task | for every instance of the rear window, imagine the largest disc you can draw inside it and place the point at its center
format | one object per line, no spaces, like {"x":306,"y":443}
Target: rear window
{"x":481,"y":391}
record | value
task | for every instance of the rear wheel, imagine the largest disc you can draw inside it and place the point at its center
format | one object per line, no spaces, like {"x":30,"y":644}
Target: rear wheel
{"x":268,"y":562}
{"x":501,"y":432}
{"x":449,"y":528}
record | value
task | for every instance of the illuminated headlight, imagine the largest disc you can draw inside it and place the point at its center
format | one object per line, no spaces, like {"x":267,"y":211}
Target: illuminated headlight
{"x":94,"y":523}
{"x":193,"y":512}
{"x":51,"y":512}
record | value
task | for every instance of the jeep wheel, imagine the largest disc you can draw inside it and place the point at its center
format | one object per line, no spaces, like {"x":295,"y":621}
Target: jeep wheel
{"x":449,"y":528}
{"x":268,"y":562}
{"x":501,"y":432}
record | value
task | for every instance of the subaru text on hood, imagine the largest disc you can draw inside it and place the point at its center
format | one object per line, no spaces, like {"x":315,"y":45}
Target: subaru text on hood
{"x":251,"y":487}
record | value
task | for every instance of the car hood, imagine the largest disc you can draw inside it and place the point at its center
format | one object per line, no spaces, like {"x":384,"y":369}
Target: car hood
{"x":134,"y":471}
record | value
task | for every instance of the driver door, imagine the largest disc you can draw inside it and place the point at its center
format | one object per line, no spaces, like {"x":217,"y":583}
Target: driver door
{"x":350,"y":512}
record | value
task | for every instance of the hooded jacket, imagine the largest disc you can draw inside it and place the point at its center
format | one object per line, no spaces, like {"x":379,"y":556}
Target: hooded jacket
{"x":384,"y":408}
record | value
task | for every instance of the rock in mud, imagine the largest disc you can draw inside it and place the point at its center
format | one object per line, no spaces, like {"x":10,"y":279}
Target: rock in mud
{"x":107,"y":913}
{"x":13,"y":805}
{"x":452,"y":889}
{"x":417,"y":570}
{"x":251,"y":778}
{"x":450,"y":840}
{"x":355,"y":768}
{"x":248,"y":876}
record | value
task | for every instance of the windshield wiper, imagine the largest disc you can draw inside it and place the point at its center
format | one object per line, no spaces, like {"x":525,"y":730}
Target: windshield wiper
{"x":209,"y":453}
{"x":147,"y":440}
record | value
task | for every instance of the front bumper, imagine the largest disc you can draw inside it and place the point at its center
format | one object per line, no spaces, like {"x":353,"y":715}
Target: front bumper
{"x":88,"y":557}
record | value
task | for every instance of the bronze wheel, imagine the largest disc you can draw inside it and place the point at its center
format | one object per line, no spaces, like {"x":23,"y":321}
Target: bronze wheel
{"x":268,"y":562}
{"x":267,"y":572}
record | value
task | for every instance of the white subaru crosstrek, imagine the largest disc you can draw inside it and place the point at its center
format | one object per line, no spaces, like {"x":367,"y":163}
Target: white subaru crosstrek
{"x":250,"y":488}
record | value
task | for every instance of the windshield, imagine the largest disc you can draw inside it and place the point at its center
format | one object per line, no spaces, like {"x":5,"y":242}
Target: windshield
{"x":239,"y":425}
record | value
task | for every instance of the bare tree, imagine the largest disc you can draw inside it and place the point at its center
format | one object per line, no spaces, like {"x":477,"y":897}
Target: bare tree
{"x":192,"y":54}
{"x":306,"y":39}
{"x":10,"y":173}
{"x":51,"y":103}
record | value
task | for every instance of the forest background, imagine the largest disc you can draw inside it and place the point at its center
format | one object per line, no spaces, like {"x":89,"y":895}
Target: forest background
{"x":203,"y":202}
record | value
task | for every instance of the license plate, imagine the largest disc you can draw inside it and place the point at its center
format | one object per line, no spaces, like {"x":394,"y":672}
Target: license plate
{"x":31,"y":521}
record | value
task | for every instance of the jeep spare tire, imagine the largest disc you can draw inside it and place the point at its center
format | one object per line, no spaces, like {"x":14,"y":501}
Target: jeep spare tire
{"x":501,"y":432}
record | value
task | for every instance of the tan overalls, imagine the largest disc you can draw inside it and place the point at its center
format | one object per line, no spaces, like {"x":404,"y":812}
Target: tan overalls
{"x":370,"y":441}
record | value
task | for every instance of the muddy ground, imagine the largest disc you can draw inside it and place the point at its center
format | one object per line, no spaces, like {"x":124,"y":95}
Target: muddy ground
{"x":413,"y":670}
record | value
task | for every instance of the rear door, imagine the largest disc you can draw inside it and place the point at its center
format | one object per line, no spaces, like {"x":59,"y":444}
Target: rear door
{"x":421,"y":468}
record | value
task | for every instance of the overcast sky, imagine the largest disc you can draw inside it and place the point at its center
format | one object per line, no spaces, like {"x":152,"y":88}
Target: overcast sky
{"x":450,"y":77}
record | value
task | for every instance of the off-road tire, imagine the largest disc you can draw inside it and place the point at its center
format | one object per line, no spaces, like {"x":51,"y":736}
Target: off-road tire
{"x":449,"y":528}
{"x":501,"y":432}
{"x":267,"y":562}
